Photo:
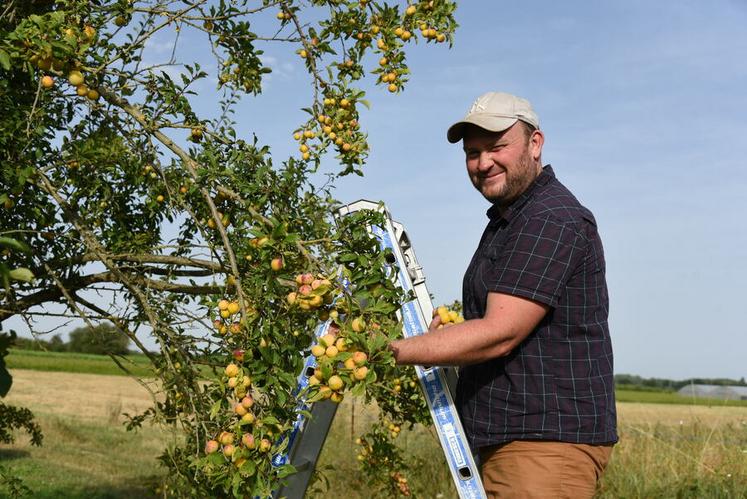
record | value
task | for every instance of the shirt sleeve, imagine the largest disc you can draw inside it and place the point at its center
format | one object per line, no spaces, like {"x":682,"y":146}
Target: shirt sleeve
{"x":537,"y":260}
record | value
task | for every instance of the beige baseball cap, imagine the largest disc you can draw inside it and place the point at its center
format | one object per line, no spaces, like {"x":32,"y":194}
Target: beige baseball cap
{"x":495,"y":112}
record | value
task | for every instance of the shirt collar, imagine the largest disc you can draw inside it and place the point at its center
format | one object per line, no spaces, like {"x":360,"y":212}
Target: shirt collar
{"x":545,"y":176}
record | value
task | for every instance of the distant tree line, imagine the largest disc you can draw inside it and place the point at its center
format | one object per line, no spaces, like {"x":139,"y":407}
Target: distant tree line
{"x":102,"y":339}
{"x":631,"y":381}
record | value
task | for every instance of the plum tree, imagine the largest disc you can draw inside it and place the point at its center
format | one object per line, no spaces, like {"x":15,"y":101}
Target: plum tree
{"x":141,"y":212}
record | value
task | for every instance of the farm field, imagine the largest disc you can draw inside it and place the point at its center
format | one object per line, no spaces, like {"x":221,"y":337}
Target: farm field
{"x":673,"y":398}
{"x":86,"y":450}
{"x":137,"y":364}
{"x":666,"y":450}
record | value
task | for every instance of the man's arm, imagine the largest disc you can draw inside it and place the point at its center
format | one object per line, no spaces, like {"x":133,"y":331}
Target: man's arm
{"x":508,"y":320}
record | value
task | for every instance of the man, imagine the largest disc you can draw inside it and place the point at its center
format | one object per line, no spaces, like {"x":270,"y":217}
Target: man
{"x":535,"y":391}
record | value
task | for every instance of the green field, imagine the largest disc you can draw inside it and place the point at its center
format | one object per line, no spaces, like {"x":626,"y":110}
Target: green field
{"x":36,"y":360}
{"x":662,"y":397}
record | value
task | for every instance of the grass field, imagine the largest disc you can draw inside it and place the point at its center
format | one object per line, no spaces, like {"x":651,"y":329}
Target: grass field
{"x":35,"y":360}
{"x":86,"y":453}
{"x":666,"y":449}
{"x":653,"y":397}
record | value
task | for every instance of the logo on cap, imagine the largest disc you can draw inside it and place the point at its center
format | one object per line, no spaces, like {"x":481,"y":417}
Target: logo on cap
{"x":479,"y":104}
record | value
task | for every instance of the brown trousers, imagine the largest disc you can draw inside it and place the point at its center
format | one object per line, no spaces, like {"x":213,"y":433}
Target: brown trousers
{"x":543,"y":469}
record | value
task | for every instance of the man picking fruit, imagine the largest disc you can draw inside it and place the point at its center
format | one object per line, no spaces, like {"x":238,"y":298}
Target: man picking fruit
{"x":535,"y":393}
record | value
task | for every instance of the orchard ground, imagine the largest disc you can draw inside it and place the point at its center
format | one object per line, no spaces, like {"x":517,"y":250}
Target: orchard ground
{"x":666,"y":450}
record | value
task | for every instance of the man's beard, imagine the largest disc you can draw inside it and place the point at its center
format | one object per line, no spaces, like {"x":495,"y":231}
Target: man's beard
{"x":516,"y":183}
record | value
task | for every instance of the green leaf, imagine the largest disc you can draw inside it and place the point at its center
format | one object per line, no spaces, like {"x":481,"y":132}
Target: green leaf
{"x":326,"y":370}
{"x":285,"y":470}
{"x":248,"y":468}
{"x":358,"y":390}
{"x":236,"y":485}
{"x":347,"y":257}
{"x":21,"y":274}
{"x":315,"y":398}
{"x":4,"y":60}
{"x":281,"y":397}
{"x":270,"y":420}
{"x":4,"y":276}
{"x":215,"y":409}
{"x":216,"y":459}
{"x":15,"y":244}
{"x":6,"y":341}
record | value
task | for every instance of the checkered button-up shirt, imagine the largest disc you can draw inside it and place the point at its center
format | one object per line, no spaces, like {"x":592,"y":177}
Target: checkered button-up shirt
{"x":558,"y":383}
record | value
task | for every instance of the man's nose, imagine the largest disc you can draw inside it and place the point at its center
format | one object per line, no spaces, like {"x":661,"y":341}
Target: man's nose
{"x":485,"y":161}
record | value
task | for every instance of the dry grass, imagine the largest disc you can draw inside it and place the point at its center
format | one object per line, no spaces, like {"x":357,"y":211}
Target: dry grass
{"x":678,"y":451}
{"x":86,"y":453}
{"x":631,"y":413}
{"x":91,"y":397}
{"x":665,"y":451}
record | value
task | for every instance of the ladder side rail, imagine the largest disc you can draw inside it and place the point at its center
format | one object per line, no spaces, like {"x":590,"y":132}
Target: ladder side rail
{"x":308,"y":446}
{"x":433,"y":380}
{"x":306,"y":439}
{"x":302,"y":384}
{"x":417,"y":277}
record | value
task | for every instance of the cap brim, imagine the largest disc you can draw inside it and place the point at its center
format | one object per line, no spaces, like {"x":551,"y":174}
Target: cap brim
{"x":489,"y":123}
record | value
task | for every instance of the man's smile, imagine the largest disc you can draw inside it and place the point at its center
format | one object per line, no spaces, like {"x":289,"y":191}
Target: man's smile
{"x":493,"y":177}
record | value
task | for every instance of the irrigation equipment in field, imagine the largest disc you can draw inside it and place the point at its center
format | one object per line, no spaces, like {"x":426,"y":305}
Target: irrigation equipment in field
{"x":307,"y":437}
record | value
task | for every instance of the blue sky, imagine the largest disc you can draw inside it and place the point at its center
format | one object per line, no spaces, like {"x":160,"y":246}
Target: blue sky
{"x":643,"y":105}
{"x":643,"y":108}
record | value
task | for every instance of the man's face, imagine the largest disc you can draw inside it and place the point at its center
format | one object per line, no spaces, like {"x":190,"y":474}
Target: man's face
{"x":501,"y":165}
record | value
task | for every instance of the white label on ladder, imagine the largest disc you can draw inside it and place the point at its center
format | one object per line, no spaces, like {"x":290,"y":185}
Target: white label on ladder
{"x":452,"y":438}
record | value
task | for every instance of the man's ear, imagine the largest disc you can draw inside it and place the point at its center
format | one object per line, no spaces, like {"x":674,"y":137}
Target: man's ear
{"x":536,"y":141}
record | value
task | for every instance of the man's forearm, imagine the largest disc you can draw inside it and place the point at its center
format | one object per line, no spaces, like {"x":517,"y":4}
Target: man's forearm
{"x":470,"y":342}
{"x":507,"y":322}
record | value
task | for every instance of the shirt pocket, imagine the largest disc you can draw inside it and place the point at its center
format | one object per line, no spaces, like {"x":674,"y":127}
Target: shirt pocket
{"x":493,"y":252}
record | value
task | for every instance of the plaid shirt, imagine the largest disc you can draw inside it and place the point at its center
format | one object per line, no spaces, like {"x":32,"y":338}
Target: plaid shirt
{"x":557,"y":384}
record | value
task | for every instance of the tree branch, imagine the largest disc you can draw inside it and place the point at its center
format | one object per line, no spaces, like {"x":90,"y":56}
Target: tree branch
{"x":78,"y":283}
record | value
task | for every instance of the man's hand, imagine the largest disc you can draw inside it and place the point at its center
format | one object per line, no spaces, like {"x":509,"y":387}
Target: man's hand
{"x":435,"y":321}
{"x":333,"y":328}
{"x":507,"y":322}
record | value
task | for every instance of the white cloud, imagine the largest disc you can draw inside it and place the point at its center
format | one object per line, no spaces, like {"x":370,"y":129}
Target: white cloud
{"x":281,"y":69}
{"x":153,"y":46}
